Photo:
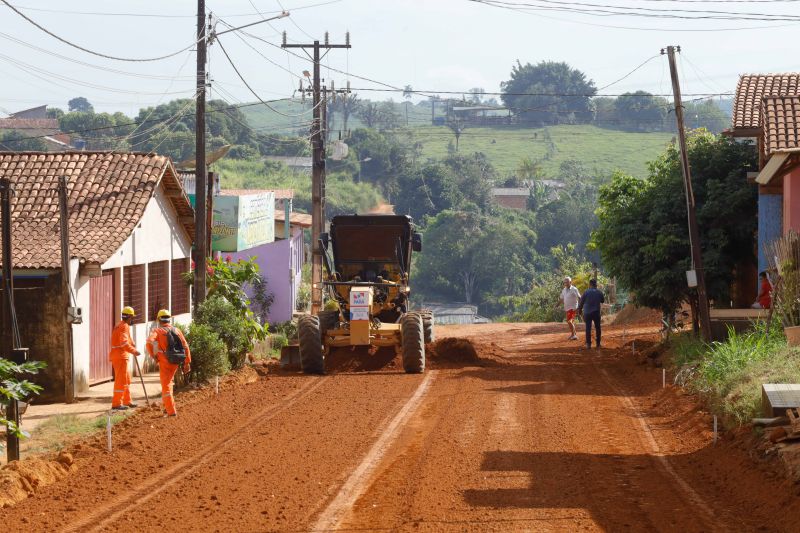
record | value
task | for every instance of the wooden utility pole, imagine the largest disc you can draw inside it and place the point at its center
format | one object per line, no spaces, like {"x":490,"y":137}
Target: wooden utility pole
{"x":694,"y":232}
{"x":9,"y":326}
{"x":201,"y":177}
{"x":317,"y":168}
{"x":66,"y":291}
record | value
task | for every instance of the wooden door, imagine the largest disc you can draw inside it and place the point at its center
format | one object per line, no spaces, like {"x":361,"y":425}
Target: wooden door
{"x":101,"y":324}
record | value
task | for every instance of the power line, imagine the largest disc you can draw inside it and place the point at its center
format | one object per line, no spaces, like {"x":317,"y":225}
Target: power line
{"x":564,"y":95}
{"x":99,"y":54}
{"x":236,"y":69}
{"x":83,"y":63}
{"x":137,"y":122}
{"x":164,"y":16}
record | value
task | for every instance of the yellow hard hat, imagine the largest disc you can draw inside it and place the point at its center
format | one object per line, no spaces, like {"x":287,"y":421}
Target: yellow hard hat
{"x":163,"y":314}
{"x":128,"y":310}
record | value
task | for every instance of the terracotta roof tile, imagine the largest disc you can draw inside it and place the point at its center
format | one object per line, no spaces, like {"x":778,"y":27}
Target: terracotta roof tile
{"x":108,"y":193}
{"x":753,"y":87}
{"x":780,"y":118}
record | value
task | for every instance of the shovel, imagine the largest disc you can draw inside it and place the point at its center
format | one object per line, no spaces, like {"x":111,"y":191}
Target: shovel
{"x":141,"y":378}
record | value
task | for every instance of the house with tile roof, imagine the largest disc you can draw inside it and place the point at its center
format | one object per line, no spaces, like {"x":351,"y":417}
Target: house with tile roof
{"x":754,"y":109}
{"x":130,"y":235}
{"x":779,"y":149}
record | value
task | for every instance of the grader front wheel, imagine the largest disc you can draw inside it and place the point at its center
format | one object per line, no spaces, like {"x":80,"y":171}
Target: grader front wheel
{"x":311,"y":353}
{"x":413,"y":343}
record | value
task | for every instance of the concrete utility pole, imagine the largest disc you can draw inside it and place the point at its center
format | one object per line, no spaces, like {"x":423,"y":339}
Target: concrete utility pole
{"x":201,"y":177}
{"x":318,"y":168}
{"x":694,"y":233}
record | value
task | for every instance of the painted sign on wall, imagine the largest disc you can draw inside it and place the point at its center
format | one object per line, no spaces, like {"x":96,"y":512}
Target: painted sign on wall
{"x":242,"y":222}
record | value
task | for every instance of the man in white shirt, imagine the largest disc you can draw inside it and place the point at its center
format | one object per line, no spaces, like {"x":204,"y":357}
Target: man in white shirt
{"x":570,"y":296}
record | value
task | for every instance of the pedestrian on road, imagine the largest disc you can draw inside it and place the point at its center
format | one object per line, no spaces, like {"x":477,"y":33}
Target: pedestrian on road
{"x":570,"y":296}
{"x":122,"y":347}
{"x":589,"y":307}
{"x":167,"y":345}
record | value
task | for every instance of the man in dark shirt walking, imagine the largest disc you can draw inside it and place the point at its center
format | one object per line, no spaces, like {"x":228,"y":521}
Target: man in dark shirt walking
{"x":590,"y":308}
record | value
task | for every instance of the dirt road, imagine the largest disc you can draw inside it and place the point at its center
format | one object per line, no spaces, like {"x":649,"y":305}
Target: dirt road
{"x":536,"y":435}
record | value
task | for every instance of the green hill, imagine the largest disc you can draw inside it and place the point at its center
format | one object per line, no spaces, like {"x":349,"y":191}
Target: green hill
{"x":600,"y":150}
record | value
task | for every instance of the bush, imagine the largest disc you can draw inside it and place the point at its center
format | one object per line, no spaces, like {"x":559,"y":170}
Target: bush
{"x":209,"y":353}
{"x":223,"y":319}
{"x":729,"y":374}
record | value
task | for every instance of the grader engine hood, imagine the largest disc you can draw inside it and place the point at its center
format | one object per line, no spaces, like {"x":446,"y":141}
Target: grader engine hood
{"x":369,"y":247}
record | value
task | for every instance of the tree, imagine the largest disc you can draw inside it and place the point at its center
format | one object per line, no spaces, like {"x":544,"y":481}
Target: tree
{"x":80,"y":104}
{"x":476,"y":95}
{"x":457,"y":126}
{"x":641,"y":111}
{"x":705,"y":114}
{"x":16,"y":141}
{"x":474,"y":258}
{"x":549,"y":93}
{"x":369,"y":113}
{"x":408,"y":92}
{"x":643,"y":238}
{"x":528,"y":169}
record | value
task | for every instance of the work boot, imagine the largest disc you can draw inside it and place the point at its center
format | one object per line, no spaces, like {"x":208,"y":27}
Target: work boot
{"x":120,"y":408}
{"x":170,"y":415}
{"x":132,"y":405}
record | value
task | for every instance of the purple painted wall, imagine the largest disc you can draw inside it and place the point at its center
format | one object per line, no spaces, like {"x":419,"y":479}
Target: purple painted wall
{"x":280,"y":263}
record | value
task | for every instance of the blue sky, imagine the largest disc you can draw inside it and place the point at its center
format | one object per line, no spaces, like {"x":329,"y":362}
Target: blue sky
{"x":435,"y":45}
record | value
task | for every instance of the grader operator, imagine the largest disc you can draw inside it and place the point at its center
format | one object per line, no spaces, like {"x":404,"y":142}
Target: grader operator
{"x":367,"y":261}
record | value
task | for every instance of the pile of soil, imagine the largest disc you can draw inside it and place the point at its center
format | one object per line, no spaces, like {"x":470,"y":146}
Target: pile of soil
{"x":20,"y":479}
{"x":631,"y":314}
{"x":452,"y":350}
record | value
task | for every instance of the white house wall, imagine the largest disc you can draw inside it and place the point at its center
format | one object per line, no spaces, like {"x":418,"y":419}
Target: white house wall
{"x":157,"y":237}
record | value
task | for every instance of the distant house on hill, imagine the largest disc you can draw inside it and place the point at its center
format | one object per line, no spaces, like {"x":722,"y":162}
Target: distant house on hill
{"x":130,"y":236}
{"x":34,"y":122}
{"x":517,"y":197}
{"x":455,"y":313}
{"x":296,"y":163}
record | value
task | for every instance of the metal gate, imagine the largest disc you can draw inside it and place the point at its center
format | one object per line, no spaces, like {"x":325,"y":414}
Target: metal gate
{"x":101,"y":324}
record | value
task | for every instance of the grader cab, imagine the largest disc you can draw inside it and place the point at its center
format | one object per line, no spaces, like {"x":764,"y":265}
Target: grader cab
{"x":367,"y":262}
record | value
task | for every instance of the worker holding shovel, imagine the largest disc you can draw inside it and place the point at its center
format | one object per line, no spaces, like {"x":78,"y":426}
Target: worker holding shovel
{"x":122,"y":347}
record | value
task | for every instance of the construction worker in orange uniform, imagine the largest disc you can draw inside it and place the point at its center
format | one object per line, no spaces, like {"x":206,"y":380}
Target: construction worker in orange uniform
{"x":122,"y":348}
{"x":162,"y":348}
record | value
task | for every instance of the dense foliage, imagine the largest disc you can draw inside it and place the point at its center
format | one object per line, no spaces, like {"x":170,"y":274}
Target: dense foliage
{"x":209,"y":353}
{"x":15,"y":387}
{"x":643,"y":238}
{"x":536,"y":93}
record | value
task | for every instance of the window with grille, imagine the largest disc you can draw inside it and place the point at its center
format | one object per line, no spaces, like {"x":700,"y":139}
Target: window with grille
{"x":157,"y":288}
{"x":180,"y":289}
{"x":133,"y":291}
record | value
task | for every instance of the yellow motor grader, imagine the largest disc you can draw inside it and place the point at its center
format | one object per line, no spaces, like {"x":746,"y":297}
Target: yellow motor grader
{"x":367,"y":259}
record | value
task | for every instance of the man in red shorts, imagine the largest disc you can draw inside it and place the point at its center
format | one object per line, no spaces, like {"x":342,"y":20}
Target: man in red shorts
{"x":570,"y":296}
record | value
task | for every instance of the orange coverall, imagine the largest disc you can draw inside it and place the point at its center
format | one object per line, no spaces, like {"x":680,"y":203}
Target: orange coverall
{"x":157,"y":346}
{"x":122,"y":348}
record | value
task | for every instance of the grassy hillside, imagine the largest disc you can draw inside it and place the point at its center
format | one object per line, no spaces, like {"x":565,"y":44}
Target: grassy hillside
{"x":600,"y":150}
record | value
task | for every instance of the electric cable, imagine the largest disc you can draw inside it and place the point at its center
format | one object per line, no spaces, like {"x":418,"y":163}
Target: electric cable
{"x":99,"y":54}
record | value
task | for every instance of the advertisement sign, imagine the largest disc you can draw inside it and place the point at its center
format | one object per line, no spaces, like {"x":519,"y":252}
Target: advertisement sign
{"x":359,"y":313}
{"x":243,"y":222}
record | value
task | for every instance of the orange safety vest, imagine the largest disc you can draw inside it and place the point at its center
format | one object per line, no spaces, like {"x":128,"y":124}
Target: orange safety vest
{"x":122,"y":346}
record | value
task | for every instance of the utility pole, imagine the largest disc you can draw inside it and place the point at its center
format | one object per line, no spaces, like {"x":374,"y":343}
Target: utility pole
{"x":12,"y":409}
{"x":66,"y":291}
{"x":694,"y":232}
{"x":318,"y":167}
{"x":201,"y":177}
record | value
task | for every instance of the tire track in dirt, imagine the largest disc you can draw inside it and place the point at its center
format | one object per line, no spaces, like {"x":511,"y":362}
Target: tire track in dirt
{"x":105,"y":515}
{"x":692,"y":497}
{"x":358,"y":481}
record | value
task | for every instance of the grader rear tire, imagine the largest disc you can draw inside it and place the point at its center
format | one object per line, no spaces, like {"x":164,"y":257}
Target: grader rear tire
{"x":427,"y":326}
{"x":413,"y":343}
{"x":311,"y":355}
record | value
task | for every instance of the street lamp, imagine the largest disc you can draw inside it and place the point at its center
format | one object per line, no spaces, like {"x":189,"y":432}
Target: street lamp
{"x":359,"y":167}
